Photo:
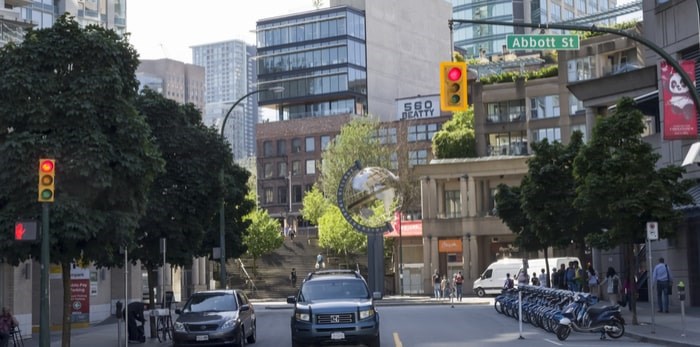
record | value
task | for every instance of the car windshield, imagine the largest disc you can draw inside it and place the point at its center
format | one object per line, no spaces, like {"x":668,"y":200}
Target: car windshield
{"x":333,"y":289}
{"x":210,"y":302}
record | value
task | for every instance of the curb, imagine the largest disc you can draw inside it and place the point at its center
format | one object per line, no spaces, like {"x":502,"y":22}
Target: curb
{"x":664,"y":342}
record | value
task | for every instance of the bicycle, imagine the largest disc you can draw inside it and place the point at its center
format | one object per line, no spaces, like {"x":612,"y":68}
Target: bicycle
{"x":164,"y":326}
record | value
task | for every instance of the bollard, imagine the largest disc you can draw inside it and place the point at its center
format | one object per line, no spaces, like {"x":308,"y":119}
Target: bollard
{"x":681,"y":297}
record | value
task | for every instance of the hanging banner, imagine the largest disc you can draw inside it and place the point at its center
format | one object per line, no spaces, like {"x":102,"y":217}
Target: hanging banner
{"x":680,"y":117}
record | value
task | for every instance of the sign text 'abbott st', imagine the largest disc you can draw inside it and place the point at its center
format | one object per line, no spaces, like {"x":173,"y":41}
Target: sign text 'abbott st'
{"x":542,"y":42}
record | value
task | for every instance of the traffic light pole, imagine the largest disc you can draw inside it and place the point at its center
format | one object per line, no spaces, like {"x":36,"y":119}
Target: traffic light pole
{"x":651,"y":45}
{"x":44,"y":327}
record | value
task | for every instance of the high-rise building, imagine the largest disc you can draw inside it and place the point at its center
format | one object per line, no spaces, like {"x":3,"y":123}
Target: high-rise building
{"x":173,"y":79}
{"x":229,"y":75}
{"x":485,"y":40}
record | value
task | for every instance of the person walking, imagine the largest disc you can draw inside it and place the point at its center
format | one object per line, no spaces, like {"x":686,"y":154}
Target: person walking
{"x":7,"y":324}
{"x":320,"y":264}
{"x":523,"y":278}
{"x":293,"y":277}
{"x":444,"y":287}
{"x":592,"y":280}
{"x":613,"y":288}
{"x":436,"y":285}
{"x":459,"y":280}
{"x":561,"y":275}
{"x":662,"y":277}
{"x":543,"y":278}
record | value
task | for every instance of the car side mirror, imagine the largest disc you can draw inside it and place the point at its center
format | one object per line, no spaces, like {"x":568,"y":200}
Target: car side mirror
{"x":291,"y":299}
{"x":245,"y":308}
{"x":178,"y":311}
{"x":377,"y":295}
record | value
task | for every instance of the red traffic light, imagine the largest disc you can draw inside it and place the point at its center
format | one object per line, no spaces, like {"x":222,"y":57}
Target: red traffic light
{"x":26,"y":231}
{"x":46,"y":166}
{"x":454,"y":74}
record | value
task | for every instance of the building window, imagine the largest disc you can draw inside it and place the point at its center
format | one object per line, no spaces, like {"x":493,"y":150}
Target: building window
{"x":418,"y":157}
{"x":544,"y":106}
{"x":325,"y":141}
{"x":551,"y":134}
{"x":386,"y":135}
{"x":311,"y":167}
{"x":575,"y":105}
{"x":282,"y":195}
{"x":512,"y":143}
{"x":308,"y":188}
{"x":505,"y":111}
{"x":310,"y":144}
{"x":281,"y":147}
{"x":296,"y":193}
{"x":268,"y":195}
{"x":422,"y":132}
{"x":296,"y":145}
{"x":296,"y":168}
{"x":581,"y":69}
{"x":268,"y":150}
{"x":282,"y":169}
{"x":394,"y":162}
{"x":269,"y":170}
{"x":453,"y":204}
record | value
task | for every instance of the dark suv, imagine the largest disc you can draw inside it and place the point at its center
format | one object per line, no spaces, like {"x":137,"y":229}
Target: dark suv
{"x":335,"y":307}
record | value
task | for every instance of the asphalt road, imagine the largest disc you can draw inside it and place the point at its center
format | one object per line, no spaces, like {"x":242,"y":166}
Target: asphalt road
{"x":441,"y":326}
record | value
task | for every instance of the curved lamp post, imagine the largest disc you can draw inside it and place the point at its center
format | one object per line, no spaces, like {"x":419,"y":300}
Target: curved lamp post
{"x":222,"y":218}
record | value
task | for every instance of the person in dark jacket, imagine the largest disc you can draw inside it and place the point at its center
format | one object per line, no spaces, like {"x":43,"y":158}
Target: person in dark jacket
{"x":136,"y":331}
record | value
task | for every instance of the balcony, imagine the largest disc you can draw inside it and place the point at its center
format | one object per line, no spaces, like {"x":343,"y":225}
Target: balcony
{"x":18,"y":3}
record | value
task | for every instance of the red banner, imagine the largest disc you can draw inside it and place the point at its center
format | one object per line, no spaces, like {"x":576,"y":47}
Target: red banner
{"x":80,"y":300}
{"x":680,"y":117}
{"x":407,"y":228}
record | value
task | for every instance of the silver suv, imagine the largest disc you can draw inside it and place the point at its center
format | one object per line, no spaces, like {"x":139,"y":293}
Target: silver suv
{"x":335,"y":307}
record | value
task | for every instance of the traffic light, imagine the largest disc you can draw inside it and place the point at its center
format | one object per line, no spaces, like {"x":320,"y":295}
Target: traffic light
{"x":47,"y":172}
{"x":453,"y":86}
{"x":25,"y":231}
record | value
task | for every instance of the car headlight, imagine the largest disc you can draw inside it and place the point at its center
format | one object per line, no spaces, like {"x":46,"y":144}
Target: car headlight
{"x":229,"y":324}
{"x":179,"y":327}
{"x":364,"y":314}
{"x":302,"y":316}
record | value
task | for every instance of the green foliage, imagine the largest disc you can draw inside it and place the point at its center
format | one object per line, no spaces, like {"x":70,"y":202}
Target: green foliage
{"x":67,"y":93}
{"x":511,"y":76}
{"x":456,"y":139}
{"x":263,"y":234}
{"x":511,"y":213}
{"x":315,"y":205}
{"x":335,"y":233}
{"x":619,"y":187}
{"x":631,"y":24}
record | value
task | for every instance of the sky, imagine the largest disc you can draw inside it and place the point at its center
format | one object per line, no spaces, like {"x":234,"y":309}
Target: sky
{"x":168,"y":28}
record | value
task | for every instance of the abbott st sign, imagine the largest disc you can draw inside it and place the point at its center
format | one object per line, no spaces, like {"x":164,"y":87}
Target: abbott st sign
{"x":542,"y":42}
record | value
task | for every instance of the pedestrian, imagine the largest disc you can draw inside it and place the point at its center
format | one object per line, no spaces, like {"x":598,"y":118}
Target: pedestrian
{"x":444,"y":287}
{"x":7,"y":324}
{"x":293,"y":277}
{"x":459,"y":280}
{"x":292,"y":233}
{"x":508,"y":284}
{"x":561,"y":274}
{"x":613,"y":288}
{"x":543,"y":278}
{"x":662,"y":277}
{"x":535,"y":280}
{"x":523,"y":278}
{"x":436,"y":284}
{"x":570,"y":276}
{"x":320,"y":264}
{"x":592,"y":280}
{"x":555,"y":278}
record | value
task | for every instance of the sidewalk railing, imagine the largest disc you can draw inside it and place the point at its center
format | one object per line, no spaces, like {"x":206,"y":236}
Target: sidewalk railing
{"x":250,"y":285}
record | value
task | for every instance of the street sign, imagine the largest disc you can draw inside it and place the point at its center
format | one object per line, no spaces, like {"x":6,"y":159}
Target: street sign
{"x":542,"y":42}
{"x":652,"y":231}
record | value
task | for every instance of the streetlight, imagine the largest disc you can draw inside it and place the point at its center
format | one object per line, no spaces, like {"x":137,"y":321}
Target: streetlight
{"x":222,"y":219}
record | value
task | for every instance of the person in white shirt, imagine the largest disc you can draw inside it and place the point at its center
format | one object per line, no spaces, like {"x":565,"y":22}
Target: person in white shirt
{"x":662,"y":277}
{"x":543,"y":278}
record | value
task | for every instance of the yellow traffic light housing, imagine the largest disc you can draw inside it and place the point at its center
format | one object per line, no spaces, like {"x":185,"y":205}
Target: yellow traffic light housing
{"x":47,"y":173}
{"x":453,"y":86}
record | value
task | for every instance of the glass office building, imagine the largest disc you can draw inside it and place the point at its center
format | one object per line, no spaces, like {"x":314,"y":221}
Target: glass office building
{"x":319,"y":57}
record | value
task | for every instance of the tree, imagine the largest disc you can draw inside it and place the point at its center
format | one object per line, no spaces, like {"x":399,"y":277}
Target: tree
{"x":620,"y":188}
{"x":263,"y":235}
{"x":335,"y":233}
{"x":315,"y":205}
{"x":58,"y":102}
{"x":509,"y":204}
{"x":456,"y":138}
{"x":185,"y":199}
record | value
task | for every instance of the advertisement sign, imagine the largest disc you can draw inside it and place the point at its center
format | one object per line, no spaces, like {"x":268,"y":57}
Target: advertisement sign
{"x":680,"y":117}
{"x":418,"y":107}
{"x":450,"y":245}
{"x":408,"y":228}
{"x":80,"y":300}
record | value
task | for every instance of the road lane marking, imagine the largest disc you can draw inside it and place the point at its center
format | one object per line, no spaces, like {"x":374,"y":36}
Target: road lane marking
{"x":556,"y":343}
{"x":397,"y":340}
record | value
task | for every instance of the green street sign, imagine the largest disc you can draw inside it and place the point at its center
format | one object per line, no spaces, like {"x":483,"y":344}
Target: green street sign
{"x":537,"y":42}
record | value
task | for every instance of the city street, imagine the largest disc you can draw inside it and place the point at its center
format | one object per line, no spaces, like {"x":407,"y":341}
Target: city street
{"x":413,"y":325}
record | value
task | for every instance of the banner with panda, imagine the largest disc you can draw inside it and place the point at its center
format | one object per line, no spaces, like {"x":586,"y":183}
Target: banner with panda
{"x":680,"y":117}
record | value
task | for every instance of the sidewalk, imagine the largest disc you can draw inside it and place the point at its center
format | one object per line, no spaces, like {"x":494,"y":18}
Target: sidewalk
{"x":668,"y":328}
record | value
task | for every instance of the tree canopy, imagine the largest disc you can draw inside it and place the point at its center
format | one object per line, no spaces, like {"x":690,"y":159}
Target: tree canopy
{"x":456,"y":139}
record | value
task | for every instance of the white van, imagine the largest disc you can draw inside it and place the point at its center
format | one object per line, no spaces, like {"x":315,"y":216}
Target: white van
{"x":492,"y":280}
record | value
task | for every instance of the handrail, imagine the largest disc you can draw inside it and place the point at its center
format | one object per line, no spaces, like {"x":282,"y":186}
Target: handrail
{"x":249,"y":280}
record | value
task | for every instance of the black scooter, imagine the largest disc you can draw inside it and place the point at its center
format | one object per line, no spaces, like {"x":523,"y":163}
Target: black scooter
{"x":583,"y":315}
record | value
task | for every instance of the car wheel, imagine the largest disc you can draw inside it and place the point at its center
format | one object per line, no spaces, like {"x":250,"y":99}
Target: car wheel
{"x":374,"y":342}
{"x":241,"y":338}
{"x":480,"y":292}
{"x":253,"y":336}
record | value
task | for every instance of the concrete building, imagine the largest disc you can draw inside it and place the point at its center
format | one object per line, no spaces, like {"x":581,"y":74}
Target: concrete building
{"x":175,"y":80}
{"x":230,"y":73}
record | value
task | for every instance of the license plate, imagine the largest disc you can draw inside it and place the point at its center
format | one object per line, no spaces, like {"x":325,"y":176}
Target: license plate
{"x":337,"y":336}
{"x":202,"y":338}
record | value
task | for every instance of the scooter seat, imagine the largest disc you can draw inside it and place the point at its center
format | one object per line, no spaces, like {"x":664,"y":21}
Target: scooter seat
{"x":597,"y":309}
